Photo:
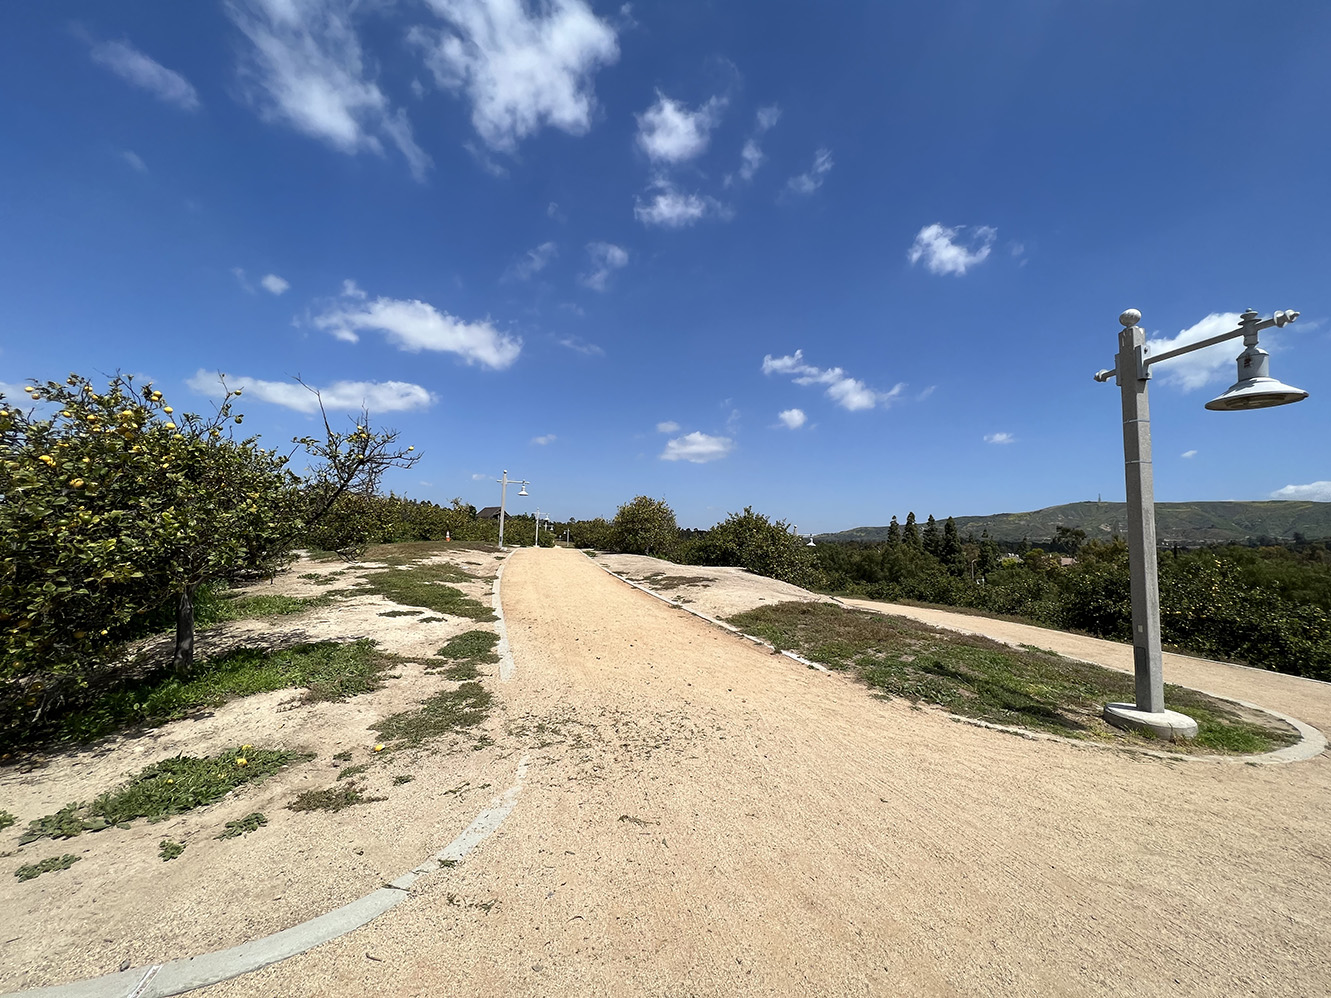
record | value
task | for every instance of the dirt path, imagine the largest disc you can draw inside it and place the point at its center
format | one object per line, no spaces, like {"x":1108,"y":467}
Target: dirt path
{"x":701,"y":818}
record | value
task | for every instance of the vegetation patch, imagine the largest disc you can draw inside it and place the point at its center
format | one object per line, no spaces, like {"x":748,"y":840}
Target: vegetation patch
{"x":659,"y":580}
{"x":242,"y":826}
{"x":401,"y":613}
{"x":426,"y":586}
{"x":462,"y":672}
{"x":263,"y":605}
{"x":431,"y":620}
{"x":402,"y":778}
{"x":332,"y":798}
{"x":474,"y":646}
{"x":974,"y":677}
{"x":6,"y":819}
{"x":34,"y":870}
{"x":328,"y":670}
{"x":169,"y":849}
{"x":346,"y":772}
{"x":165,"y":788}
{"x":444,"y":713}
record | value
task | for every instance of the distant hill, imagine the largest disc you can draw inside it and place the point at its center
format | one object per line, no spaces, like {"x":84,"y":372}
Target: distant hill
{"x":1175,"y":522}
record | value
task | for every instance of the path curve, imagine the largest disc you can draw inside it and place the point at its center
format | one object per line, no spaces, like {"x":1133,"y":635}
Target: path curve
{"x":702,"y":817}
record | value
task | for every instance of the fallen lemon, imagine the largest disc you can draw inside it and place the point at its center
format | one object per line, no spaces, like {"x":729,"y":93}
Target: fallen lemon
{"x":241,"y":761}
{"x":379,"y":747}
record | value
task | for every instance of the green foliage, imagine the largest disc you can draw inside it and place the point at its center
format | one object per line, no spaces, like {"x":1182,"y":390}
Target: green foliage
{"x":422,"y":586}
{"x":165,"y":788}
{"x":644,"y":525}
{"x":6,"y":819}
{"x":34,"y":870}
{"x":976,"y":677}
{"x":332,"y":798}
{"x":475,"y":646}
{"x":402,"y":778}
{"x":347,"y":772}
{"x":242,"y":826}
{"x":442,"y":714}
{"x":264,"y":605}
{"x":169,"y":849}
{"x":751,"y":541}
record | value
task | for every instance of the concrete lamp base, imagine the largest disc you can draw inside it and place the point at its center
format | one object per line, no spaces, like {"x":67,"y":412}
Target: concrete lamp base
{"x":1167,"y":724}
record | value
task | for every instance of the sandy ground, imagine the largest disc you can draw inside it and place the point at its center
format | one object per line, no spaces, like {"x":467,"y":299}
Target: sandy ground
{"x":703,"y":818}
{"x":716,"y":592}
{"x":122,"y":902}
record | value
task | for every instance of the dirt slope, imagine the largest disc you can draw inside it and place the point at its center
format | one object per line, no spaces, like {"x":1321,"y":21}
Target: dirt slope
{"x":701,"y":818}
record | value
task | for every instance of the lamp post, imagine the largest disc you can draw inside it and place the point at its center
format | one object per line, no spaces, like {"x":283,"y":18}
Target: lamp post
{"x":537,"y":542}
{"x":504,"y":483}
{"x":1255,"y":389}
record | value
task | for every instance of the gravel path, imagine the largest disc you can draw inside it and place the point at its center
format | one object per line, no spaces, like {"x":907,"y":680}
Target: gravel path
{"x":702,"y":818}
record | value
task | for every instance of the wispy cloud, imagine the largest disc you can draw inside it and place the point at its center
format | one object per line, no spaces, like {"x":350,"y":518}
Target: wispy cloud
{"x":579,"y":345}
{"x":479,"y":476}
{"x":809,"y":181}
{"x":134,"y":160}
{"x":668,"y":132}
{"x":1188,"y":453}
{"x":1196,"y":369}
{"x":414,"y":325}
{"x":999,"y":438}
{"x":606,"y":258}
{"x":944,"y":251}
{"x":135,"y":68}
{"x":1313,"y":492}
{"x":273,"y":284}
{"x":751,"y":155}
{"x":547,"y":438}
{"x":376,"y":396}
{"x":793,"y":418}
{"x":523,"y":66}
{"x":307,"y":70}
{"x":698,"y":448}
{"x":673,"y":209}
{"x":849,"y":393}
{"x":533,"y":262}
{"x":668,"y":426}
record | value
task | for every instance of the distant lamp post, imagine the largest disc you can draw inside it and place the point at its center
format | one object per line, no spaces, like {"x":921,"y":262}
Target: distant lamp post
{"x":504,"y":483}
{"x":1255,"y":389}
{"x":537,"y":542}
{"x":811,"y":544}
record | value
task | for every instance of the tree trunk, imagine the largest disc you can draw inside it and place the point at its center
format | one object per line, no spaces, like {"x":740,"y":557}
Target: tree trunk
{"x":182,"y":662}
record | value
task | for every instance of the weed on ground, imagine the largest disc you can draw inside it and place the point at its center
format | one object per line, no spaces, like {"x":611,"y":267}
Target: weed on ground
{"x":332,"y":798}
{"x":169,"y":849}
{"x":444,"y":713}
{"x":346,"y":772}
{"x":329,"y":670}
{"x":6,"y":819}
{"x":165,"y":788}
{"x":401,"y":613}
{"x":659,"y":580}
{"x":425,"y":586}
{"x":975,"y":677}
{"x":402,"y":778}
{"x":265,"y":605}
{"x":475,"y":646}
{"x":242,"y":826}
{"x":34,"y":870}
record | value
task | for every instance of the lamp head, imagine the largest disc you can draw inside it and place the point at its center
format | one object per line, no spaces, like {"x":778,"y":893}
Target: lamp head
{"x":811,"y":544}
{"x":1255,"y":388}
{"x":524,"y":489}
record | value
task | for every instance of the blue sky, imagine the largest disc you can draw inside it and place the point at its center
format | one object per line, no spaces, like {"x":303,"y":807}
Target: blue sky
{"x":836,"y":261}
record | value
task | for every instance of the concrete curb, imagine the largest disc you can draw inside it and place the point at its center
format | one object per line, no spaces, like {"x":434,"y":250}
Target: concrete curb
{"x":1312,"y":742}
{"x":178,"y":976}
{"x":718,"y":623}
{"x":506,"y":664}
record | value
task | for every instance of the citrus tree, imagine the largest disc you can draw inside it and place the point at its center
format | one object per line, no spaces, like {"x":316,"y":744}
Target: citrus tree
{"x":645,"y":525}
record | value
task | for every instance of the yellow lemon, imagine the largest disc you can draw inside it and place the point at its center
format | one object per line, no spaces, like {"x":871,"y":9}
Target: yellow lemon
{"x":379,"y":747}
{"x":170,"y":426}
{"x":167,"y":409}
{"x":242,"y":761}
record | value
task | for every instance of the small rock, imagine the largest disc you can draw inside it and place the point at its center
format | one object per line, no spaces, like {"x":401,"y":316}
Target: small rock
{"x":124,"y":964}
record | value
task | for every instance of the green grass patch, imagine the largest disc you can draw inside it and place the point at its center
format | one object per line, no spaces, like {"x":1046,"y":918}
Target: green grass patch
{"x":474,"y":646}
{"x":264,"y":605}
{"x":34,"y":870}
{"x":426,"y":586}
{"x":346,"y":772}
{"x":401,"y":613}
{"x":442,"y":714}
{"x":343,"y":756}
{"x":402,"y":778}
{"x":328,"y":670}
{"x":975,"y":677}
{"x":165,"y":788}
{"x":242,"y":826}
{"x":6,"y":819}
{"x":462,"y":672}
{"x":432,"y":620}
{"x":169,"y":849}
{"x":332,"y":798}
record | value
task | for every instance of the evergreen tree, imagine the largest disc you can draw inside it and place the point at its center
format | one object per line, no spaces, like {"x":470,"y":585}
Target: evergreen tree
{"x":911,"y":534}
{"x":933,"y":542}
{"x":894,"y":532}
{"x":951,"y":555}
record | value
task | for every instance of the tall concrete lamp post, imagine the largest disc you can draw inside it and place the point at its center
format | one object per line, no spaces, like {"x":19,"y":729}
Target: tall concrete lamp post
{"x":504,"y":483}
{"x":1255,"y":389}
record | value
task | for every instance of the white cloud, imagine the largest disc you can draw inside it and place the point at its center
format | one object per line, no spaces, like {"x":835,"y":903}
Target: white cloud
{"x":1189,"y":453}
{"x":1193,"y":370}
{"x":242,"y":280}
{"x":768,"y":117}
{"x":999,"y":438}
{"x":350,"y":289}
{"x":520,"y":69}
{"x":534,"y":261}
{"x":376,"y":396}
{"x":134,"y":160}
{"x":579,"y":345}
{"x":668,"y":132}
{"x":606,"y":259}
{"x":673,"y":209}
{"x":793,"y":418}
{"x":849,"y":393}
{"x":306,"y":69}
{"x":1313,"y":492}
{"x":414,"y":325}
{"x":547,"y":438}
{"x":13,"y":391}
{"x":942,"y":253}
{"x":669,"y":426}
{"x":479,"y":476}
{"x":699,"y":448}
{"x":274,"y":284}
{"x":134,"y":67}
{"x":812,"y":179}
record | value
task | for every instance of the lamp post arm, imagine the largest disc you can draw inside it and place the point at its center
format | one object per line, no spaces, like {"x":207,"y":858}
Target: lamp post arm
{"x":1250,"y":328}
